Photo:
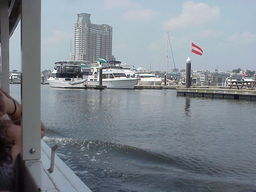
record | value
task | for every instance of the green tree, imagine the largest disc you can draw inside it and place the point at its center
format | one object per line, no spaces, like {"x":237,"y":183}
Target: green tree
{"x":250,"y":73}
{"x":237,"y":70}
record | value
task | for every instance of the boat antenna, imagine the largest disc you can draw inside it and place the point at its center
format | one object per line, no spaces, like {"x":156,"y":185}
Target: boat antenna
{"x":169,"y":40}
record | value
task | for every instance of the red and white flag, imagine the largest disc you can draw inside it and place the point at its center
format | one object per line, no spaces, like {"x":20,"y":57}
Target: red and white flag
{"x":196,"y":49}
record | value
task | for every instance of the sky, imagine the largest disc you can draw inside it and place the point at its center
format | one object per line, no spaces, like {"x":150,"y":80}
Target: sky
{"x":224,"y":29}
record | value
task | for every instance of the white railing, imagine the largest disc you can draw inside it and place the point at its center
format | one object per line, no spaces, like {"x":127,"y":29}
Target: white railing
{"x":35,"y":156}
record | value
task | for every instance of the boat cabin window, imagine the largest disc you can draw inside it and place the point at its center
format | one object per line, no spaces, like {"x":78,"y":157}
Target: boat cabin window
{"x":86,"y":72}
{"x":147,"y":75}
{"x":104,"y":76}
{"x":110,"y":76}
{"x":69,"y":72}
{"x":130,"y":76}
{"x":107,"y":76}
{"x":119,"y":75}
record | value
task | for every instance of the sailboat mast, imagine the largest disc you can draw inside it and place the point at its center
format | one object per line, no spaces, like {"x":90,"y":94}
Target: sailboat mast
{"x":71,"y":50}
{"x":169,"y":40}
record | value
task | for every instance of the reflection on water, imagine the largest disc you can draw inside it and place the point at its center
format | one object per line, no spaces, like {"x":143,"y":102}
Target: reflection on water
{"x":149,"y":140}
{"x":187,"y":106}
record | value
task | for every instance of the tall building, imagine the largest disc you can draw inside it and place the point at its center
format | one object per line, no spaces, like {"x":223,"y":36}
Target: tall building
{"x":91,"y":41}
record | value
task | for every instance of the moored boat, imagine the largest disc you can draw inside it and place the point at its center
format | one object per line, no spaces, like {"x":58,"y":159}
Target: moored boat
{"x":148,"y":79}
{"x":112,"y":77}
{"x":67,"y":74}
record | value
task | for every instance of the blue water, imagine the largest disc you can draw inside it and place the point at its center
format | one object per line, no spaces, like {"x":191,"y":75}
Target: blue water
{"x":152,"y":140}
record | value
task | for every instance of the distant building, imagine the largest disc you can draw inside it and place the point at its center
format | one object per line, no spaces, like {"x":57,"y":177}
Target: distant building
{"x":219,"y":78}
{"x":202,"y":78}
{"x":91,"y":41}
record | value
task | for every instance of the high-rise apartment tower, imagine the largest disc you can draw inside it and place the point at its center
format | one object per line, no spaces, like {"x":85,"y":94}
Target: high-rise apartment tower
{"x":91,"y":41}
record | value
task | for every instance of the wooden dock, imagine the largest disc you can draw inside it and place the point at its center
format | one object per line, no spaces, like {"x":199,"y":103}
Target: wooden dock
{"x":222,"y":93}
{"x":155,"y":87}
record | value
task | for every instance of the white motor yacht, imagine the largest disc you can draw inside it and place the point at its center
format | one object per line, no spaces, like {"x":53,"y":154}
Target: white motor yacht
{"x":67,"y":74}
{"x":112,"y":77}
{"x":149,"y":79}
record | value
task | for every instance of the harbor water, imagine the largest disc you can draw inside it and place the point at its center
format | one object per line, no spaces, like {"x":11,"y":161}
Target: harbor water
{"x":152,"y":140}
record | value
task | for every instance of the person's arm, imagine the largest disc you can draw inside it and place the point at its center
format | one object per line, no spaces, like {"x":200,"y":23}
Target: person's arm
{"x":12,"y":108}
{"x":42,"y":129}
{"x":14,"y":134}
{"x":15,"y":116}
{"x":7,"y":104}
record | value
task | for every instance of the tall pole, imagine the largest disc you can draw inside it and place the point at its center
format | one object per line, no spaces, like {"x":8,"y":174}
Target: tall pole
{"x":4,"y":50}
{"x":30,"y":92}
{"x":188,"y":73}
{"x":100,"y":76}
{"x":31,"y":78}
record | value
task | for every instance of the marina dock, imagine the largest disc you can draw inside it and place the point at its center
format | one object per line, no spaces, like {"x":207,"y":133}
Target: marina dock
{"x":94,"y":87}
{"x":155,"y":87}
{"x":222,"y":93}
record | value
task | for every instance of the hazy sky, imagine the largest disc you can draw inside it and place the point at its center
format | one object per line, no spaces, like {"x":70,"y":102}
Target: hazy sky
{"x":224,"y":29}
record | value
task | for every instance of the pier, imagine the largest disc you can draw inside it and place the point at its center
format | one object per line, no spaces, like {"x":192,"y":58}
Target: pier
{"x":155,"y":87}
{"x":100,"y":87}
{"x":222,"y":93}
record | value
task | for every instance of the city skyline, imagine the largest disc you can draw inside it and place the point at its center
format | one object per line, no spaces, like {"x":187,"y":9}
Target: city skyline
{"x":223,"y":30}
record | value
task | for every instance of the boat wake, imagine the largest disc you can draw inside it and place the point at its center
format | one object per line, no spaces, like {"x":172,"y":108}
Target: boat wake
{"x":101,"y":163}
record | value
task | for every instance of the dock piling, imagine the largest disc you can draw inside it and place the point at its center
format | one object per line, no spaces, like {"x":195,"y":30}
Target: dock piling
{"x":188,"y":73}
{"x":100,"y":77}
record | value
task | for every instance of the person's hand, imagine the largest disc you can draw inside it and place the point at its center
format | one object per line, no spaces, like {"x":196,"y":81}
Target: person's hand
{"x":7,"y":105}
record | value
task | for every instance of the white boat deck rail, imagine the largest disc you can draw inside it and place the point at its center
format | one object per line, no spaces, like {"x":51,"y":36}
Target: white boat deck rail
{"x":35,"y":156}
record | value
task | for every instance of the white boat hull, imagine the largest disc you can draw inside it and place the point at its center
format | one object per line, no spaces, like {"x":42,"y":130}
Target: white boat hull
{"x":76,"y":83}
{"x":150,"y":81}
{"x":122,"y":83}
{"x":113,"y":78}
{"x":115,"y":84}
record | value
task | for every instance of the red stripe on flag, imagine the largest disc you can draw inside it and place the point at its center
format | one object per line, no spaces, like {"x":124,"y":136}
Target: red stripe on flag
{"x":194,"y":45}
{"x":196,"y":52}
